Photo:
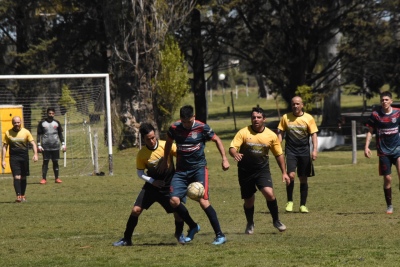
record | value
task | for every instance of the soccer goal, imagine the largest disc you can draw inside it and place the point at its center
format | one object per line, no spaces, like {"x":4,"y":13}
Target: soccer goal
{"x":82,"y":104}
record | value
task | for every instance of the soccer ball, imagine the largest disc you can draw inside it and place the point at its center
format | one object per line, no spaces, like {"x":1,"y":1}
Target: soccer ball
{"x":195,"y":191}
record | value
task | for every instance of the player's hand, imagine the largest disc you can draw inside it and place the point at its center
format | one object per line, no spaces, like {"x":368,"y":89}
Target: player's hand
{"x":35,"y":158}
{"x":225,"y":164}
{"x":3,"y":164}
{"x":64,"y":148}
{"x":40,"y":149}
{"x":314,"y":155}
{"x":238,"y":156}
{"x":285,"y":178}
{"x":158,"y":183}
{"x":367,"y":153}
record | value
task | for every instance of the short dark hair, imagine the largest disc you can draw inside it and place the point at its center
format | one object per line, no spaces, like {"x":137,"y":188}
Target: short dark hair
{"x":51,"y":109}
{"x":258,"y":110}
{"x":145,"y":128}
{"x":186,"y":112}
{"x":386,"y":93}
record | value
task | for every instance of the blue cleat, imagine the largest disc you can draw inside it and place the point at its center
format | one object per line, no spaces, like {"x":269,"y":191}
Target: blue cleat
{"x":191,"y":233}
{"x":219,"y":240}
{"x":181,"y":239}
{"x":122,"y":243}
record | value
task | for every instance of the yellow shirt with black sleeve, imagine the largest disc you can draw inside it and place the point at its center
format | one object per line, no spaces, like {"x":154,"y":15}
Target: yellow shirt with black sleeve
{"x":255,"y":147}
{"x":151,"y":159}
{"x":298,"y":130}
{"x":18,"y":143}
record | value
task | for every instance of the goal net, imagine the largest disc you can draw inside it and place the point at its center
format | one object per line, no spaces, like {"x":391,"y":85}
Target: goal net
{"x":82,"y":107}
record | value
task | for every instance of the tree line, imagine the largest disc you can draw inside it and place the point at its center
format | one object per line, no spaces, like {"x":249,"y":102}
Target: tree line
{"x":324,"y":45}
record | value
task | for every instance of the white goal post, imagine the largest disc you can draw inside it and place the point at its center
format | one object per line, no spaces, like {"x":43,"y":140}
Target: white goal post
{"x":106,"y":78}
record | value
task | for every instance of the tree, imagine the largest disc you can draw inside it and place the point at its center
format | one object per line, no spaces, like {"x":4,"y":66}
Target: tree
{"x":287,"y":41}
{"x":172,"y":82}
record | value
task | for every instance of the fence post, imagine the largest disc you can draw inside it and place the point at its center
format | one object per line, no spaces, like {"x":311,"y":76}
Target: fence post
{"x":354,"y":140}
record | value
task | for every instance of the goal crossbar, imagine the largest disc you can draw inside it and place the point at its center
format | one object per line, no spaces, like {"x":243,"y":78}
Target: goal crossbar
{"x":106,"y":76}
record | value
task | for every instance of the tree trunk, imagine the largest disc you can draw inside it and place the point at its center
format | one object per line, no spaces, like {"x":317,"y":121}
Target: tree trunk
{"x":331,"y":112}
{"x":199,"y":89}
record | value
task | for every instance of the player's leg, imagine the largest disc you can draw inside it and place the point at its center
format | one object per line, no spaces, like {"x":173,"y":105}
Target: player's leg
{"x":24,"y":174}
{"x":247,"y":190}
{"x":45,"y":166}
{"x":55,"y":155}
{"x":303,"y":171}
{"x":179,"y":185}
{"x":201,"y":175}
{"x":385,"y":171}
{"x":265,"y":185}
{"x":164,"y":200}
{"x":143,"y":201}
{"x":291,"y":164}
{"x":15,"y":166}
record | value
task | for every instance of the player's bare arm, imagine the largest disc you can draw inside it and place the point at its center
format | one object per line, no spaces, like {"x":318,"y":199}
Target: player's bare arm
{"x":167,"y":151}
{"x":314,"y":140}
{"x":367,"y":151}
{"x":281,"y":163}
{"x":35,"y":151}
{"x":236,"y":155}
{"x":280,"y":135}
{"x":221,"y":149}
{"x":3,"y":155}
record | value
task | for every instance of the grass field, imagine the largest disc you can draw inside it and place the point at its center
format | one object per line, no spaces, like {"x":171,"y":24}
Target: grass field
{"x":75,"y":223}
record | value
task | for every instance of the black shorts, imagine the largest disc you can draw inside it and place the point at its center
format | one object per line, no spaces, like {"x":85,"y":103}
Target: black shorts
{"x":251,"y":181}
{"x":302,"y":163}
{"x":19,"y":166}
{"x":51,"y":154}
{"x":385,"y":164}
{"x":148,"y":196}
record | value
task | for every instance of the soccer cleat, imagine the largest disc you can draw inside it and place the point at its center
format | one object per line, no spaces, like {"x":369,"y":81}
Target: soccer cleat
{"x":249,"y":229}
{"x":181,"y":239}
{"x":289,"y":206}
{"x":191,"y":233}
{"x":122,"y":243}
{"x":43,"y":181}
{"x":23,"y":199}
{"x":389,"y":209}
{"x":280,"y":226}
{"x":303,"y":209}
{"x":219,"y":240}
{"x":58,"y":181}
{"x":19,"y":199}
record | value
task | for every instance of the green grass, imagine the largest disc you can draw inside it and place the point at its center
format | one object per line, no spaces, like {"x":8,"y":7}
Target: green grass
{"x":75,"y":223}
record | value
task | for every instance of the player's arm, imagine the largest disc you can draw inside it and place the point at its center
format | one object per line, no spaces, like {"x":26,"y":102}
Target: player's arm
{"x":235,"y":154}
{"x":35,"y":151}
{"x":314,"y":140}
{"x":3,"y":155}
{"x":367,"y":151}
{"x":39,"y":137}
{"x":280,"y":135}
{"x":167,"y":151}
{"x":148,"y":179}
{"x":61,"y":136}
{"x":281,"y":163}
{"x":221,"y":149}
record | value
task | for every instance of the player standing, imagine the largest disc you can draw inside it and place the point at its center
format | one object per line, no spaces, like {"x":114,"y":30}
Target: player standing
{"x":17,"y":139}
{"x":49,"y":137}
{"x":298,"y":126}
{"x":250,"y":148}
{"x":385,"y":121}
